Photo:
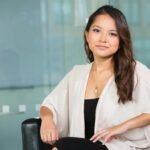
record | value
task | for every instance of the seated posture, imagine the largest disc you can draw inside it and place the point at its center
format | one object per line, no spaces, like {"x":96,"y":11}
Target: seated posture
{"x":105,"y":104}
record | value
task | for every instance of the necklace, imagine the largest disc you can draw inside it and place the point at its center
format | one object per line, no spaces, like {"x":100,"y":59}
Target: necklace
{"x":100,"y":78}
{"x":96,"y":90}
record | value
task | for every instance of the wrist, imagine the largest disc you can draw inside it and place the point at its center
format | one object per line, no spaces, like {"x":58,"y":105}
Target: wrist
{"x":46,"y":118}
{"x":126,"y":125}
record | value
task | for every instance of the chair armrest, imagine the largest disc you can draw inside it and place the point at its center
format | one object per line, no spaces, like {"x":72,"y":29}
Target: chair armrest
{"x":31,"y":140}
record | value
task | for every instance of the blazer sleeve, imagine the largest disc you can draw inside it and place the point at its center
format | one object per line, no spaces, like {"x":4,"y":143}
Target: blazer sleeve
{"x":142,"y":92}
{"x":58,"y":101}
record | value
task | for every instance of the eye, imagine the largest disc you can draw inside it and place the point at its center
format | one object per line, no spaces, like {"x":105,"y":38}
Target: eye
{"x":113,"y":34}
{"x":96,"y":30}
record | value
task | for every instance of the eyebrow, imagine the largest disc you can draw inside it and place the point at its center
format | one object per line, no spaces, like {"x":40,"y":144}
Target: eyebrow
{"x":101,"y":28}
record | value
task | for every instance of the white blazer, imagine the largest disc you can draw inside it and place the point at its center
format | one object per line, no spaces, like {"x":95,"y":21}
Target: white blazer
{"x":66,"y":102}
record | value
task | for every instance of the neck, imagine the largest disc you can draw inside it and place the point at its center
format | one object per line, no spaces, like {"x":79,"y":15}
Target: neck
{"x":101,"y":65}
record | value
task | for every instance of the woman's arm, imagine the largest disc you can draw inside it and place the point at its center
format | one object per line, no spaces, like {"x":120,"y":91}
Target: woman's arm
{"x":54,"y":109}
{"x":48,"y":130}
{"x":136,"y":122}
{"x":139,"y":121}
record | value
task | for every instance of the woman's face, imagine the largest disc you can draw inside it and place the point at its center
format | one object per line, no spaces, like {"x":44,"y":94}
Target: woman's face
{"x":102,"y":37}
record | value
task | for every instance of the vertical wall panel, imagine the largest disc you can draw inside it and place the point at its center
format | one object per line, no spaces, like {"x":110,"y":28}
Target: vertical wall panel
{"x":20,"y":44}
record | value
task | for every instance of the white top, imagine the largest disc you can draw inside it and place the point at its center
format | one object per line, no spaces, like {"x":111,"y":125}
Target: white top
{"x":67,"y":104}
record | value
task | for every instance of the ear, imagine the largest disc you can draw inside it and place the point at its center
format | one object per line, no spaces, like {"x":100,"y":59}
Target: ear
{"x":86,"y":36}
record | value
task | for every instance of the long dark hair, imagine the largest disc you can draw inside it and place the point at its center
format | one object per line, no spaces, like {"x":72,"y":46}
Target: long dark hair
{"x":124,"y":63}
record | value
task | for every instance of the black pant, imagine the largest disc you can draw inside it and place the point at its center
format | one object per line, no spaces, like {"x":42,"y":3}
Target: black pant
{"x":73,"y":143}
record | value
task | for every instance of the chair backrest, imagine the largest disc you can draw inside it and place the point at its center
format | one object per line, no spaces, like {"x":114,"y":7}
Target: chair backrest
{"x":31,"y":140}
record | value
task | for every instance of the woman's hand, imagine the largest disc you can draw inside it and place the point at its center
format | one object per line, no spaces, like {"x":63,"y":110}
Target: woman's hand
{"x":48,"y":131}
{"x":109,"y":133}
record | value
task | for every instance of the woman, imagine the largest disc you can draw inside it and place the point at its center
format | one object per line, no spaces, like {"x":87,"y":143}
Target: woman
{"x":104,"y":104}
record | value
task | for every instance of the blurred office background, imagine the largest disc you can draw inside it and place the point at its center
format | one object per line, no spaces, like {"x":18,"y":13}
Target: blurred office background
{"x":40,"y":41}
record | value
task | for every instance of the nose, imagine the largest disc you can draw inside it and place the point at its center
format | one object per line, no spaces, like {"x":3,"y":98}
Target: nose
{"x":103,"y":37}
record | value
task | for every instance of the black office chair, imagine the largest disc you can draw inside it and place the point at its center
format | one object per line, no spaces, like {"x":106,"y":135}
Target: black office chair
{"x":31,"y":140}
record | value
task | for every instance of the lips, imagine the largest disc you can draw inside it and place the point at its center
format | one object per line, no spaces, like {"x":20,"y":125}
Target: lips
{"x":102,"y":46}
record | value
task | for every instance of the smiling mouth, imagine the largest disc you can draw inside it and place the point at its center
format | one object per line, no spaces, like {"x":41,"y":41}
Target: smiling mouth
{"x":102,"y":46}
